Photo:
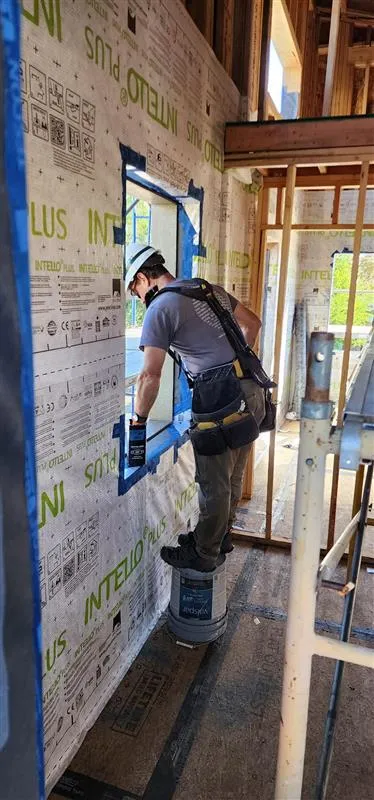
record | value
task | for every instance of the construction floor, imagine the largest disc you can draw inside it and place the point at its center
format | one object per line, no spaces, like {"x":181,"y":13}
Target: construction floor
{"x":203,"y":724}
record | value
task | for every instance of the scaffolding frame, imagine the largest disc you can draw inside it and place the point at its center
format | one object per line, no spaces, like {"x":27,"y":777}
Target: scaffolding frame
{"x":332,"y":153}
{"x":355,"y":441}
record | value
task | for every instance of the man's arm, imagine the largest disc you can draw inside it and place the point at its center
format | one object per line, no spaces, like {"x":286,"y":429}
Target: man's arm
{"x":249,"y":323}
{"x":148,"y":381}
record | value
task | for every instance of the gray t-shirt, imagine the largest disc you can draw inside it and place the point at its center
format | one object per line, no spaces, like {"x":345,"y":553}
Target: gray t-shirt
{"x":190,"y":327}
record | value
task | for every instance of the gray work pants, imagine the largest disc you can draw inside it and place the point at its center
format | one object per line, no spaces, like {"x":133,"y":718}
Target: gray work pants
{"x":220,"y":480}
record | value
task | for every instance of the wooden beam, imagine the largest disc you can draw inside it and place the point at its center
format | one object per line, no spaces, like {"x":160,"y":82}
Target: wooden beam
{"x":285,"y":251}
{"x":276,"y":160}
{"x":347,"y":340}
{"x":264,"y":58}
{"x":331,"y":57}
{"x":340,"y":180}
{"x":336,"y":206}
{"x":322,"y":226}
{"x":339,"y":134}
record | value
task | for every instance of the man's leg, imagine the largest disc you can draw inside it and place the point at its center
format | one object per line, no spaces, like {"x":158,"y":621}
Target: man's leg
{"x":213,"y":475}
{"x":237,"y":481}
{"x":255,"y":400}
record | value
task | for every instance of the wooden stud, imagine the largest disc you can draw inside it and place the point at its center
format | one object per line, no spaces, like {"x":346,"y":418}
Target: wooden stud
{"x":228,"y":28}
{"x":258,"y":540}
{"x":254,"y":50}
{"x":331,"y":57}
{"x":278,"y":212}
{"x":285,"y":250}
{"x":336,"y":206}
{"x":348,"y":339}
{"x":309,"y":79}
{"x":264,"y":58}
{"x":366,"y":90}
{"x":259,"y":253}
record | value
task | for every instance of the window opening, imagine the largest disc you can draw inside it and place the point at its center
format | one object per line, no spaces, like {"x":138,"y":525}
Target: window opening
{"x":150,"y":218}
{"x":363,"y":312}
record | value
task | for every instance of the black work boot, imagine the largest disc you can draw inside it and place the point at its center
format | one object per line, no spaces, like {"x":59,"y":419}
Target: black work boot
{"x":187,"y":557}
{"x":226,"y":544}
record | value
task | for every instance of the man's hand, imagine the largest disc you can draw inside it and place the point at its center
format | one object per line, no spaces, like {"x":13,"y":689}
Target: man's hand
{"x":249,"y":323}
{"x":148,"y":381}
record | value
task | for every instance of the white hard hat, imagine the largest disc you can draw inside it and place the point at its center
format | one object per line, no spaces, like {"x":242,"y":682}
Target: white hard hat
{"x":136,"y":256}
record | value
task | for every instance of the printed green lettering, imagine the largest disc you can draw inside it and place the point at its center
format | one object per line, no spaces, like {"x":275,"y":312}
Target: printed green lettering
{"x":55,"y":506}
{"x":155,"y":105}
{"x":113,"y":581}
{"x":51,"y":13}
{"x":101,"y":467}
{"x":102,"y":54}
{"x":47,"y":221}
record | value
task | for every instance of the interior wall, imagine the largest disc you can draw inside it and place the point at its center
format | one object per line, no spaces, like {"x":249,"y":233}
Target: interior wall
{"x":95,"y":75}
{"x":316,"y":249}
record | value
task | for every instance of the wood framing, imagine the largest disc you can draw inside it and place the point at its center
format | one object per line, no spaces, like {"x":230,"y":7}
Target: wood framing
{"x":258,"y":540}
{"x":228,"y":30}
{"x":296,"y":141}
{"x":259,"y":252}
{"x":331,"y":56}
{"x":314,"y":141}
{"x":336,"y":206}
{"x":285,"y":250}
{"x":322,"y":226}
{"x":347,"y":340}
{"x":264,"y":58}
{"x":343,"y":177}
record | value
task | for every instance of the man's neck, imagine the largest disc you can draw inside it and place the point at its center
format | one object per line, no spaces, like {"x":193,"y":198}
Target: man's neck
{"x":163,"y":280}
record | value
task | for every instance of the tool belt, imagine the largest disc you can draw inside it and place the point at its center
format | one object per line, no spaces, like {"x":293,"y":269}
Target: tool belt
{"x":221,"y":418}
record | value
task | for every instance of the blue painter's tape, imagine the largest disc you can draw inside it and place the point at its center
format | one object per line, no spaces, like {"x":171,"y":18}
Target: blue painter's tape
{"x":21,"y":223}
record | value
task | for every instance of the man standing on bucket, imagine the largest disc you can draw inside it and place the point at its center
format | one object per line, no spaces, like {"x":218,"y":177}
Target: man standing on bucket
{"x":194,"y":332}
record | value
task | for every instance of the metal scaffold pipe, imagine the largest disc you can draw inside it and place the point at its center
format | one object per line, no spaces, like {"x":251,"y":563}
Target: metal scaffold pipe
{"x":307,"y":523}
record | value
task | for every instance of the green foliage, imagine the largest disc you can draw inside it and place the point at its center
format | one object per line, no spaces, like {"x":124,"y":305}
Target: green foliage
{"x":141,"y":209}
{"x":139,"y":314}
{"x":364,"y":305}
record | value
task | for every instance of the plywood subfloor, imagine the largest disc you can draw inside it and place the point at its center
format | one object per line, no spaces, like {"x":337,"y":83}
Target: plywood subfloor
{"x":210,"y":728}
{"x":206,"y":724}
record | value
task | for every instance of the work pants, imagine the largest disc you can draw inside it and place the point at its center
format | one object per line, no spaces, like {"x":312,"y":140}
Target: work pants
{"x":220,"y":480}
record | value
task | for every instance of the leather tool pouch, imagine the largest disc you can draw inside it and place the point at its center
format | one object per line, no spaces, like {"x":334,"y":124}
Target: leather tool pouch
{"x":220,"y":414}
{"x":268,"y":422}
